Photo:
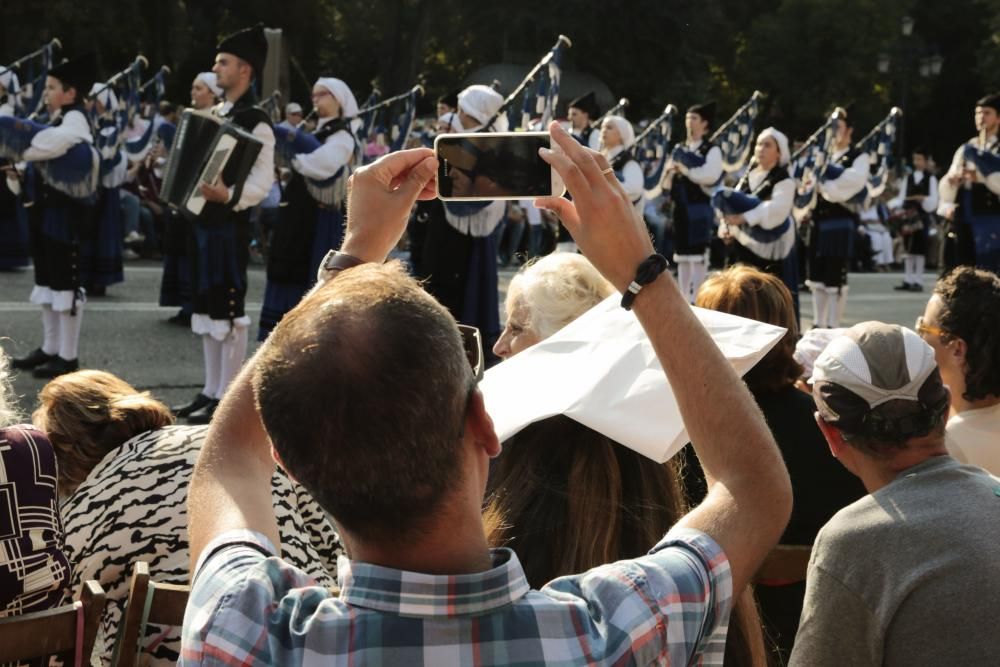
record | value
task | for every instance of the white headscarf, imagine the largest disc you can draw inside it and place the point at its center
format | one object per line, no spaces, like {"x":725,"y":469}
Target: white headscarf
{"x":343,"y":94}
{"x":625,"y":129}
{"x":212,"y":81}
{"x":482,"y":102}
{"x":105,"y":95}
{"x":8,"y":79}
{"x":782,"y":141}
{"x":452,"y":120}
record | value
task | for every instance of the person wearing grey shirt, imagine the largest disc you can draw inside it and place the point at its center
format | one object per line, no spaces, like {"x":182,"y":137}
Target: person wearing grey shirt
{"x":909,"y":574}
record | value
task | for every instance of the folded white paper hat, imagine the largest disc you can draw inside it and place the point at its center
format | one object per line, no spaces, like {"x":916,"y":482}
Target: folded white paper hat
{"x":601,"y":370}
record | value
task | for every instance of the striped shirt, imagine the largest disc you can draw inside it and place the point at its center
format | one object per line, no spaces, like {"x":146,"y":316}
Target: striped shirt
{"x":249,"y":607}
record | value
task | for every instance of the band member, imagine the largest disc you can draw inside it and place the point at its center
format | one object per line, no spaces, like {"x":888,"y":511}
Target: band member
{"x":101,"y":248}
{"x":831,"y":246}
{"x":293,"y":114}
{"x":617,"y":136}
{"x":458,"y":259}
{"x":582,"y":113}
{"x":914,"y":205}
{"x":14,"y":252}
{"x":55,"y":222}
{"x":221,"y":248}
{"x":695,"y":170}
{"x":969,"y":194}
{"x":759,"y":226}
{"x":175,"y":285}
{"x":311,"y":220}
{"x":447,"y":104}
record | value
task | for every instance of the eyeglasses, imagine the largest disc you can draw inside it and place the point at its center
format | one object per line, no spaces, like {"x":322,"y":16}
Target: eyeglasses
{"x":472,"y":341}
{"x":922,"y":328}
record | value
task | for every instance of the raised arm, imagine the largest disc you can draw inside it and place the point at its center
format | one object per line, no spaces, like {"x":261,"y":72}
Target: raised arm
{"x":749,"y":498}
{"x":231,"y":485}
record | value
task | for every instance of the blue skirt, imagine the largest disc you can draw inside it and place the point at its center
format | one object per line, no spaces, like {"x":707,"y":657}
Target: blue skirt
{"x":481,"y":307}
{"x":986,"y":238}
{"x":281,"y":297}
{"x":835,"y":237}
{"x":101,"y":248}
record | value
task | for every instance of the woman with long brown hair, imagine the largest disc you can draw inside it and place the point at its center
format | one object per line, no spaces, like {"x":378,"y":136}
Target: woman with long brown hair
{"x":567,"y":498}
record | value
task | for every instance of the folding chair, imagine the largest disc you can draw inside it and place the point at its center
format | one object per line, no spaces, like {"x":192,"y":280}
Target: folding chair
{"x":786,"y":562}
{"x":67,"y":630}
{"x":148,"y":602}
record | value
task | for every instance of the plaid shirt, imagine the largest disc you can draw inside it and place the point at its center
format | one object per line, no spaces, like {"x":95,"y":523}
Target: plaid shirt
{"x":248,"y":607}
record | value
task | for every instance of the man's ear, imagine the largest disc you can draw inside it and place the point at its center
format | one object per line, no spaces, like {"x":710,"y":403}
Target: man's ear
{"x":479,"y":426}
{"x":833,"y":436}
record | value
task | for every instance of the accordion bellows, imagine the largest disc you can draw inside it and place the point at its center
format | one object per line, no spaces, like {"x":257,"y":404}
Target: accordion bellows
{"x":205,"y":146}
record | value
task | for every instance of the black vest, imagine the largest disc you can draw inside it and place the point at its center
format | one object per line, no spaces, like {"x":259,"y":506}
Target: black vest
{"x":246,"y":115}
{"x":693,"y":191}
{"x":766,"y":187}
{"x":984,"y":202}
{"x":826,"y":209}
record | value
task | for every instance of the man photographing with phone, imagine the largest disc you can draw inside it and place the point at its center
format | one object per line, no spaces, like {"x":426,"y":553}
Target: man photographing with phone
{"x":367,"y":376}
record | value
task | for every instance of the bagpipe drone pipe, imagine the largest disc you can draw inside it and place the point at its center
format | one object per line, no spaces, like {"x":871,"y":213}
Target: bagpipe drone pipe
{"x":807,"y":163}
{"x":540,"y":87}
{"x":650,"y":149}
{"x":29,"y":73}
{"x":74,"y":174}
{"x":149,"y":95}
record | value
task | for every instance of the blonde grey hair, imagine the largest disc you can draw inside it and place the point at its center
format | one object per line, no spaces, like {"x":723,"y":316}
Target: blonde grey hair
{"x":9,"y":414}
{"x":557,"y":289}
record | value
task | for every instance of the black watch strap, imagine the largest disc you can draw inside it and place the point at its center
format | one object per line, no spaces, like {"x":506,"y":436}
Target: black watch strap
{"x":336,"y":261}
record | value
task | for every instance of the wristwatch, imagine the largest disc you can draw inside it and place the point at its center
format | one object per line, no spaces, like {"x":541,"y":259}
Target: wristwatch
{"x":334,"y":263}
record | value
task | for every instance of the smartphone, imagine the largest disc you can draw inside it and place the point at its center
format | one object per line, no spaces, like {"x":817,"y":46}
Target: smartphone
{"x":502,"y":165}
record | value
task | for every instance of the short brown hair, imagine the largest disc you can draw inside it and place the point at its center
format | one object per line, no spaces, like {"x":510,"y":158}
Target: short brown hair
{"x":970,"y":309}
{"x":748,"y":292}
{"x":363,"y":389}
{"x":90,"y":413}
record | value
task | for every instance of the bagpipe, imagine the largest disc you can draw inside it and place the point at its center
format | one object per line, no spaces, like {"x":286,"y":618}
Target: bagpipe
{"x":807,"y":163}
{"x":878,"y":144}
{"x":545,"y":77}
{"x":122,"y":100}
{"x":613,"y":111}
{"x":150,"y":94}
{"x":292,"y":141}
{"x":734,"y":139}
{"x":272,"y":106}
{"x":34,"y":68}
{"x":649,"y":149}
{"x":74,"y":174}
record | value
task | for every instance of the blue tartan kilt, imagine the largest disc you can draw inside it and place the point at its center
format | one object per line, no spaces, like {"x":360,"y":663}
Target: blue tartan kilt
{"x":101,"y":248}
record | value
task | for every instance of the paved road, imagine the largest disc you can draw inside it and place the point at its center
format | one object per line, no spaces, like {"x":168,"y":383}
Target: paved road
{"x":125,"y":332}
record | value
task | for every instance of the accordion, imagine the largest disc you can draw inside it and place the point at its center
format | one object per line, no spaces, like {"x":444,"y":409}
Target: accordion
{"x":204,"y":146}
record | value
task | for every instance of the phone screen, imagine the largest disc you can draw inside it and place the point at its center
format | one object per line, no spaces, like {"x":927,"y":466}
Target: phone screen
{"x":493,"y":166}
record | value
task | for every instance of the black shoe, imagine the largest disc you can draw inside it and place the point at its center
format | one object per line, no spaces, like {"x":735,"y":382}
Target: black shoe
{"x":905,"y":287}
{"x":916,"y":288}
{"x":97,"y":290}
{"x":32,"y":360}
{"x":200,"y":401}
{"x":181,"y":319}
{"x":204,"y":414}
{"x":55,"y":367}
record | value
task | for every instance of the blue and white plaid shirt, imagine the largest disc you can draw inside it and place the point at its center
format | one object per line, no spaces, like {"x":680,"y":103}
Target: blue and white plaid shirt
{"x":248,"y":607}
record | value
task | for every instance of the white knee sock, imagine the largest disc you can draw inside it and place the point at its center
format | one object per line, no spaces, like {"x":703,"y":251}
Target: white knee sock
{"x":838,"y":301}
{"x":908,"y":270}
{"x":918,"y":270}
{"x":698,"y":272}
{"x":820,"y":300}
{"x":684,"y":276}
{"x":212,"y":351}
{"x":234,"y":351}
{"x":69,"y":332}
{"x":50,"y":330}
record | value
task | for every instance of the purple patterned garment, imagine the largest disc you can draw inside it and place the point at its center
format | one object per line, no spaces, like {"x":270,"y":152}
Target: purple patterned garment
{"x":33,"y":568}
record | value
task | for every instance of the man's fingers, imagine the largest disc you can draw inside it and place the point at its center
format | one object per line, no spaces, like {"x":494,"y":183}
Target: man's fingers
{"x":570,"y":173}
{"x":581,"y":156}
{"x":563,"y":208}
{"x":418,"y":178}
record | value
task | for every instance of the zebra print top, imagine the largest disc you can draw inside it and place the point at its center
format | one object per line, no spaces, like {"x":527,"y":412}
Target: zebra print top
{"x":133,"y":506}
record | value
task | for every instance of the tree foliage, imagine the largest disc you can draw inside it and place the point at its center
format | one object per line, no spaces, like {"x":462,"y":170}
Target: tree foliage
{"x":805,"y":54}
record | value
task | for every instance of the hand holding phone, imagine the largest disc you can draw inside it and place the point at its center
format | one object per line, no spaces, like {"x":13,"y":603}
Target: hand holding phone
{"x":488,"y":166}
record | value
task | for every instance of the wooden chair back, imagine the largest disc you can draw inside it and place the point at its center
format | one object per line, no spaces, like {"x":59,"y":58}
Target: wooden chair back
{"x":148,"y":602}
{"x":68,"y":630}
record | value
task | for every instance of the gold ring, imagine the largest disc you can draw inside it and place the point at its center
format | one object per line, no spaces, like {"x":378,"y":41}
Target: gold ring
{"x":607,"y":171}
